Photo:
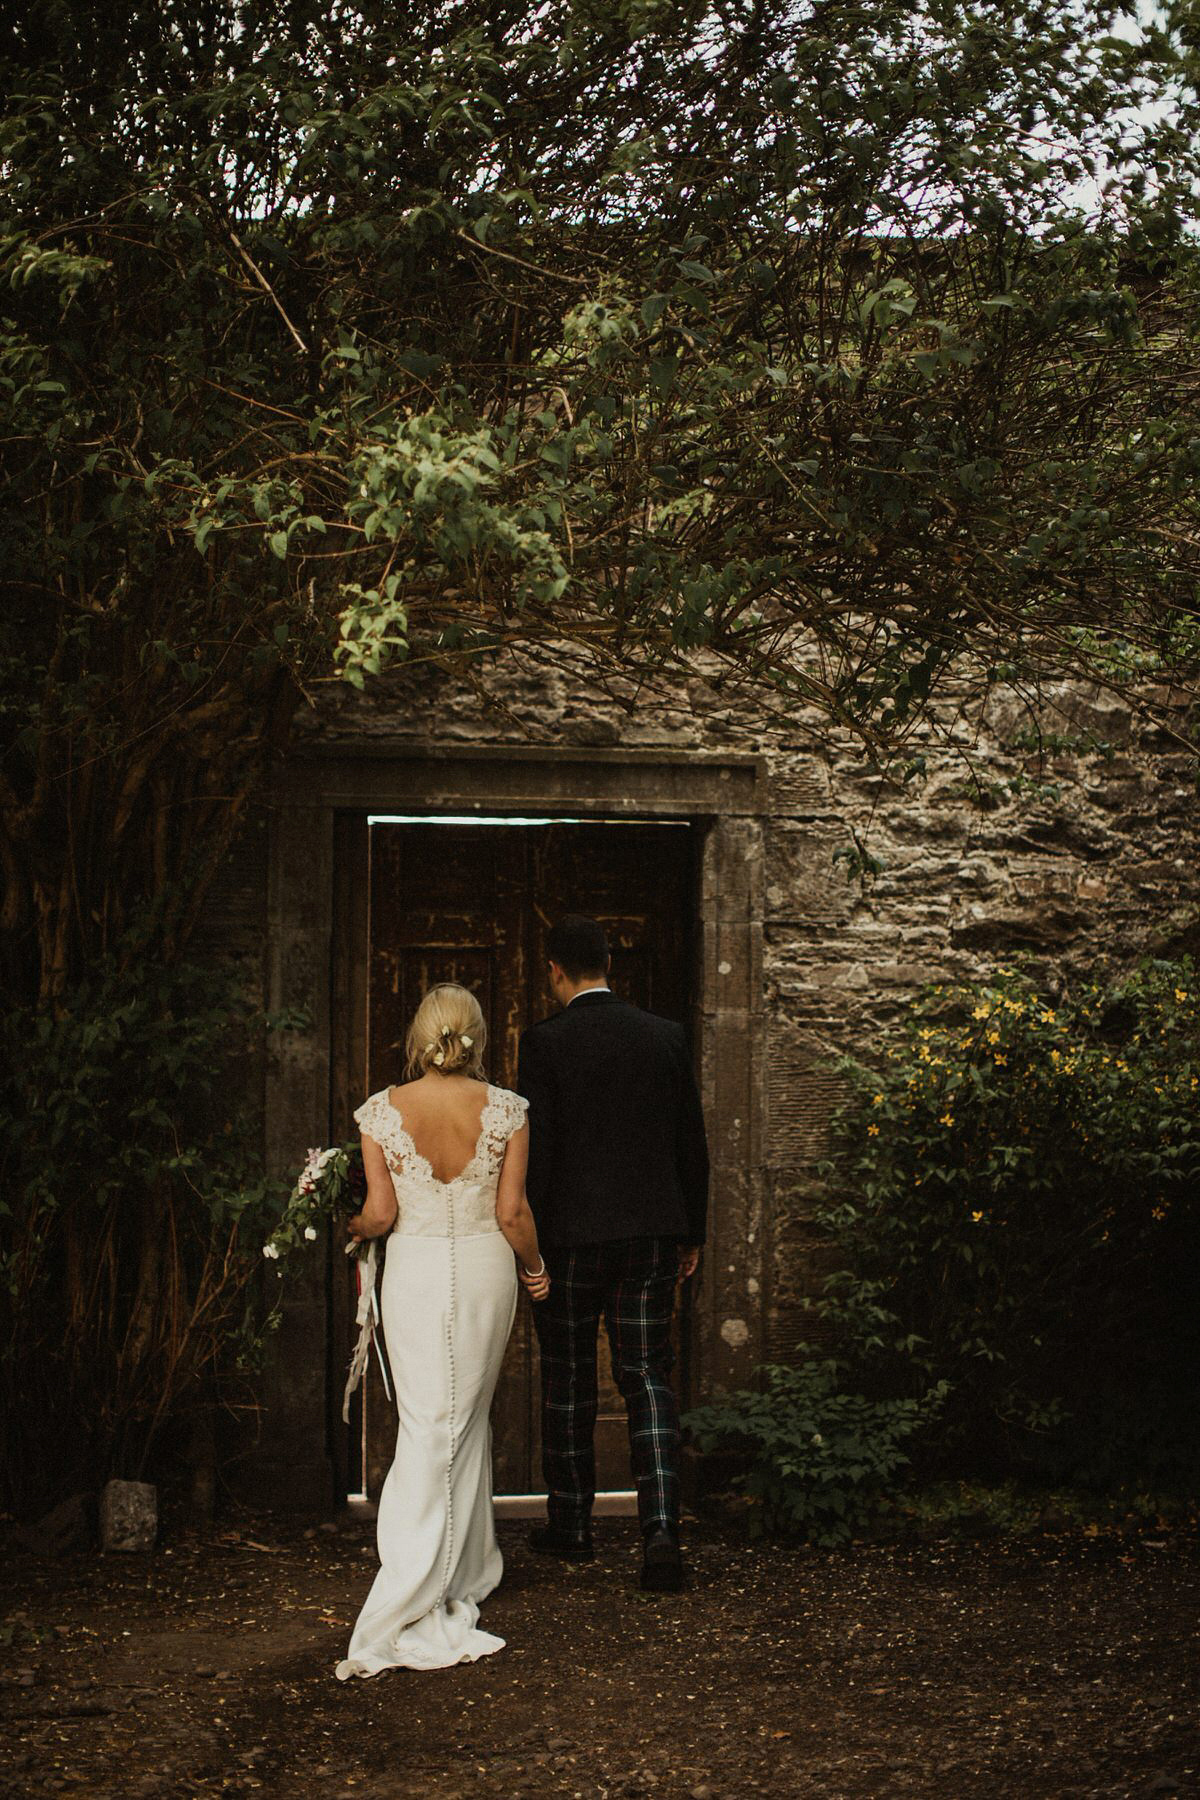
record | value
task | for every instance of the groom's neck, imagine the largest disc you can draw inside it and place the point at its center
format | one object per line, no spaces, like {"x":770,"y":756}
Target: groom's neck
{"x":587,"y":984}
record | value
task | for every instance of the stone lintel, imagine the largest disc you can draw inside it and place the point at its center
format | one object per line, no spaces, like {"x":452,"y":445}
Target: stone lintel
{"x":379,"y":776}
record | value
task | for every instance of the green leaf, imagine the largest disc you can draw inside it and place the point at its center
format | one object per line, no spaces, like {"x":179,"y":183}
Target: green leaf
{"x":653,"y":308}
{"x":663,"y":370}
{"x":419,"y":363}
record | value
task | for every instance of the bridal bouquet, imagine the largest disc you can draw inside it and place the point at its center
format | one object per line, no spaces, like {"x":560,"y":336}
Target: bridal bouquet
{"x":333,"y":1184}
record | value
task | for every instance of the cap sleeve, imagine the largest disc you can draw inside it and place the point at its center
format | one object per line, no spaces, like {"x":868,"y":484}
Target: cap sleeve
{"x":367,"y":1117}
{"x":516,"y":1108}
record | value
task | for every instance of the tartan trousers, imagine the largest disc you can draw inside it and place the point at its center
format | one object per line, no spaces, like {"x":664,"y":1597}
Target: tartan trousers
{"x":632,"y":1282}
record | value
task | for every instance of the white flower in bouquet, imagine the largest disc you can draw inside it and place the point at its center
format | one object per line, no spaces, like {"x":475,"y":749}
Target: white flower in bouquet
{"x":331,"y":1182}
{"x":314,"y":1166}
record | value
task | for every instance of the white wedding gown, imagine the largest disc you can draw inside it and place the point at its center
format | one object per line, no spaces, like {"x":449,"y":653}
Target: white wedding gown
{"x":448,"y":1303}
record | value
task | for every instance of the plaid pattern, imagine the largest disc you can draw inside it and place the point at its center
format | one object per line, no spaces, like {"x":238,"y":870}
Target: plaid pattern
{"x":632,"y":1282}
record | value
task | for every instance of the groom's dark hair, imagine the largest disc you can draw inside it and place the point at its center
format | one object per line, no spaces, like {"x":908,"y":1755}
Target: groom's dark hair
{"x":578,"y":946}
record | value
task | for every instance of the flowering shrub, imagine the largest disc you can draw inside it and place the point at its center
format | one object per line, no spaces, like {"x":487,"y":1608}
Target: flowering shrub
{"x":1015,"y":1198}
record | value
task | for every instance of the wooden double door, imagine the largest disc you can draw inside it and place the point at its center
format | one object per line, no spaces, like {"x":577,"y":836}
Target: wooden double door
{"x":472,"y":903}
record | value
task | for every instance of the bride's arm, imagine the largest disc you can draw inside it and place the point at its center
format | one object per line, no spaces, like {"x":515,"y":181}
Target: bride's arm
{"x":512,"y":1211}
{"x":379,"y":1208}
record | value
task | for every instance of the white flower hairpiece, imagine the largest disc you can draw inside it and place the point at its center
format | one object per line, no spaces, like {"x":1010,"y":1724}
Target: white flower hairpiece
{"x":438,"y":1052}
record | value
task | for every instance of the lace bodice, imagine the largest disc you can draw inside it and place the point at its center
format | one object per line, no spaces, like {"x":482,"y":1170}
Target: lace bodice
{"x":427,"y":1207}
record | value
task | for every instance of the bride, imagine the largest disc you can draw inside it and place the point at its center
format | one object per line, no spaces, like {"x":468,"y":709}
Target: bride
{"x":445,"y":1156}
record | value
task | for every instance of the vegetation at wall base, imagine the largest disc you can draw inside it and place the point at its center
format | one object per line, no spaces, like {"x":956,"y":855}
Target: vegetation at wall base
{"x":134,"y":1302}
{"x":960,"y":1510}
{"x":819,"y":1456}
{"x":1023,"y":1509}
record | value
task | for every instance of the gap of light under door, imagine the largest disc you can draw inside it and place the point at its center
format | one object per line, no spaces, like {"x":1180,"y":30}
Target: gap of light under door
{"x":488,"y":819}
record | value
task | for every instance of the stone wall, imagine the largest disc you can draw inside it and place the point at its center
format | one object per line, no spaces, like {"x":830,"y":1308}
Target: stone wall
{"x":1076,"y":857}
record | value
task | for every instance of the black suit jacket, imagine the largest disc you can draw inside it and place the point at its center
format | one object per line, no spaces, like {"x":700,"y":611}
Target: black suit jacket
{"x":616,"y":1132}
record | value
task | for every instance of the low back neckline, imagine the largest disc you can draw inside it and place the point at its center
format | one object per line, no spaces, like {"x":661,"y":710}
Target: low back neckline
{"x":469,"y":1166}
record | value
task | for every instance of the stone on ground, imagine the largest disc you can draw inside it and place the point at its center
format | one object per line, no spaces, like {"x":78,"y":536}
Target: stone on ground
{"x":128,"y":1515}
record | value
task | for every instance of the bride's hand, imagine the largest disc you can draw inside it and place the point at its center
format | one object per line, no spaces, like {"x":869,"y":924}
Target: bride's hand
{"x":356,"y":1229}
{"x":537,"y":1286}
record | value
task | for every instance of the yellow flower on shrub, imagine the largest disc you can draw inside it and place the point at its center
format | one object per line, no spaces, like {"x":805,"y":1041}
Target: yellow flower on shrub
{"x":946,"y":1119}
{"x":976,"y":1216}
{"x":1181,"y":993}
{"x":872,"y":1131}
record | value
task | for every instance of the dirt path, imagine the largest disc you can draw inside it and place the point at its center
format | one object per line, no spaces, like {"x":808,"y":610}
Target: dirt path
{"x":1026,"y":1668}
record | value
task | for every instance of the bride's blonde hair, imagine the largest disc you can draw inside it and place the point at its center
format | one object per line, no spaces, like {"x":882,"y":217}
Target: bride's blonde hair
{"x":447,"y":1034}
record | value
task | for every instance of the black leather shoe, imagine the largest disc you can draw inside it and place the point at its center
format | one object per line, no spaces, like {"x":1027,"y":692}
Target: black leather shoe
{"x":662,"y":1564}
{"x":552,"y":1542}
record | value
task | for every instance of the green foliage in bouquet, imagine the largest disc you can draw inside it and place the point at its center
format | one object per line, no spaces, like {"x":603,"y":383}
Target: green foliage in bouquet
{"x":819,"y":1457}
{"x":1016,"y":1205}
{"x":332,"y":1184}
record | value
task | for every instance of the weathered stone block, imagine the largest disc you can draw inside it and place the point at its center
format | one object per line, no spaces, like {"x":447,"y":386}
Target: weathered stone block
{"x":128,"y":1515}
{"x":803,"y":881}
{"x":800,"y":786}
{"x":1000,"y":932}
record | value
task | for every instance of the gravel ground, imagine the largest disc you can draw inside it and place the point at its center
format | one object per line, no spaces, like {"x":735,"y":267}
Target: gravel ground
{"x":1026,"y":1667}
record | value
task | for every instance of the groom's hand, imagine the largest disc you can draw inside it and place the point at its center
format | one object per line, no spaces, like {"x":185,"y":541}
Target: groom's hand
{"x":689,"y":1260}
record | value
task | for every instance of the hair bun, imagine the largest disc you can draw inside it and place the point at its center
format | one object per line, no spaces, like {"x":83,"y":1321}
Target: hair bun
{"x":447,"y":1033}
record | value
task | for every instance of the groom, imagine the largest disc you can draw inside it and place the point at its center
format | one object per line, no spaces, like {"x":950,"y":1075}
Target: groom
{"x":618,"y":1184}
